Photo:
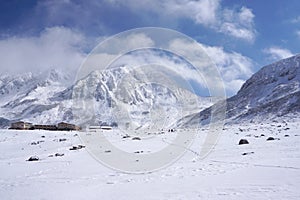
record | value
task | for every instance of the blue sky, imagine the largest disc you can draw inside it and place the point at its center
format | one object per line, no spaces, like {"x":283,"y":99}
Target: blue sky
{"x":242,"y":35}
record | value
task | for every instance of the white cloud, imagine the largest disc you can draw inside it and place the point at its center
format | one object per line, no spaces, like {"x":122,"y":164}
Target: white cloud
{"x":111,"y":49}
{"x":202,"y":12}
{"x":126,"y":41}
{"x":238,"y":23}
{"x":55,"y":47}
{"x":94,"y":15}
{"x":238,"y":32}
{"x":60,"y":47}
{"x":277,"y":53}
{"x":233,"y":67}
{"x":232,"y":64}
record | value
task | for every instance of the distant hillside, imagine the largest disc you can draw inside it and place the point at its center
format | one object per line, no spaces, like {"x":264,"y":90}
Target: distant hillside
{"x":272,"y":92}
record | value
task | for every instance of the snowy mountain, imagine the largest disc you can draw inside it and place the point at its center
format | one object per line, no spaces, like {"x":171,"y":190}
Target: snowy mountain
{"x":26,"y":96}
{"x":114,"y":98}
{"x":270,"y":93}
{"x":48,"y":98}
{"x":118,"y":97}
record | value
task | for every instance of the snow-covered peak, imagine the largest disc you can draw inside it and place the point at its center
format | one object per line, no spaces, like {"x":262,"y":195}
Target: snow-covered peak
{"x":45,"y":98}
{"x":57,"y":75}
{"x":10,"y":85}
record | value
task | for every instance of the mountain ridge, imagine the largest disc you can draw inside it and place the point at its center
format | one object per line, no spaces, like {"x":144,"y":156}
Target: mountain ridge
{"x":45,"y":99}
{"x":272,"y":92}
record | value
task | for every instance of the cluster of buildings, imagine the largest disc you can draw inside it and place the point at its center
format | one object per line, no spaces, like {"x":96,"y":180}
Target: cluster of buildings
{"x":62,"y":126}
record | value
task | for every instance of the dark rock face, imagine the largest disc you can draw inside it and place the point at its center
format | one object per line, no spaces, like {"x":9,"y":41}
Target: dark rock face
{"x":270,"y":138}
{"x":243,"y":141}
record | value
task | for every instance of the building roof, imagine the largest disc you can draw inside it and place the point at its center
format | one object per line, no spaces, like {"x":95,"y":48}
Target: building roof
{"x":21,"y":122}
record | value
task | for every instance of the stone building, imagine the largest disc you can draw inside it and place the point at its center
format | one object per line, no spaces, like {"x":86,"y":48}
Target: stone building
{"x":21,"y":125}
{"x":67,"y":126}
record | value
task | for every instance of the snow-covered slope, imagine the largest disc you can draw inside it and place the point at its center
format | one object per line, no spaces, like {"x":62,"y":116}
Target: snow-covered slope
{"x":48,"y":98}
{"x":259,"y":170}
{"x":26,"y":96}
{"x":115,"y":98}
{"x":272,"y":92}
